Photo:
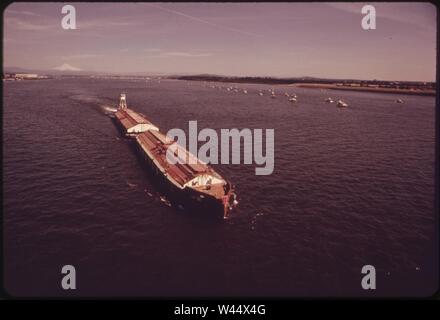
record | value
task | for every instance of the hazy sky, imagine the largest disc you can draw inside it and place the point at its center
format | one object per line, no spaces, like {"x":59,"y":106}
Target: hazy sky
{"x":273,"y":39}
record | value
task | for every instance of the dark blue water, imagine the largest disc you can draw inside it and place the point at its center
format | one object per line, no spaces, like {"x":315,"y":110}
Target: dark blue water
{"x":350,"y":187}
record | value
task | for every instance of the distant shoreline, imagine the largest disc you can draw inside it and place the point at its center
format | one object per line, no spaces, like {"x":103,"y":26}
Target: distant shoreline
{"x":419,"y":92}
{"x":381,"y":86}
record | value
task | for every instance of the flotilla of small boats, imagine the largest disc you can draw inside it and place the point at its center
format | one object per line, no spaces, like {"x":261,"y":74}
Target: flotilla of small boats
{"x":291,"y":97}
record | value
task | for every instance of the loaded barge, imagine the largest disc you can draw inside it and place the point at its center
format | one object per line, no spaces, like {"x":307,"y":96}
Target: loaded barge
{"x":192,"y":185}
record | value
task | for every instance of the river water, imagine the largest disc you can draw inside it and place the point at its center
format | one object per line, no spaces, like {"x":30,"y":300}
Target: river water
{"x":350,"y":187}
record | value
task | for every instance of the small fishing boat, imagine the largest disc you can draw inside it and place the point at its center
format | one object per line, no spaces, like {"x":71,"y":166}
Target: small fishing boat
{"x":329,"y":100}
{"x":342,"y":104}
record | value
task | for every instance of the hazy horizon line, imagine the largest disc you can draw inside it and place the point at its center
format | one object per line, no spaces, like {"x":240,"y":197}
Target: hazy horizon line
{"x":152,"y":73}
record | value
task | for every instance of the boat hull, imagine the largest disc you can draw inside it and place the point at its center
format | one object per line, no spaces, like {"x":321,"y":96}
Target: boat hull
{"x":186,"y":199}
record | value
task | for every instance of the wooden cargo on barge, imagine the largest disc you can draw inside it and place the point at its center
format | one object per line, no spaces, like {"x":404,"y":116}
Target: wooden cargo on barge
{"x":190,"y":183}
{"x":130,"y":122}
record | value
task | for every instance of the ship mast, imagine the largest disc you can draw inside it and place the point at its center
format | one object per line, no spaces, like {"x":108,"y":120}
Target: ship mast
{"x":122,"y":102}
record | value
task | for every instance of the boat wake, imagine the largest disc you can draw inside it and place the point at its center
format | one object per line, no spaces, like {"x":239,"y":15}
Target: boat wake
{"x":159,"y":197}
{"x":131,"y":185}
{"x":109,"y":109}
{"x":103,"y":106}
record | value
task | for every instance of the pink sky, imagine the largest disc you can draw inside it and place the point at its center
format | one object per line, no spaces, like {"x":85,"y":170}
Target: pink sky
{"x":256,"y":39}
